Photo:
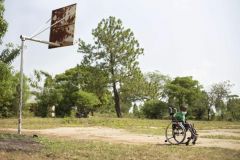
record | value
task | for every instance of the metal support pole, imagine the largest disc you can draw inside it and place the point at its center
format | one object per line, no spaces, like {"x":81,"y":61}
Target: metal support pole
{"x":21,"y":88}
{"x":41,"y":41}
{"x":23,"y":39}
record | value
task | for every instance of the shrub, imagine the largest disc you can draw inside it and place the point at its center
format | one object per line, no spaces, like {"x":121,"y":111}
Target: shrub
{"x":86,"y":102}
{"x":154,"y":109}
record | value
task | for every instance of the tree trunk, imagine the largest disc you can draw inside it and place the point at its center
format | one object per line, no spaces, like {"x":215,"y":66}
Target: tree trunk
{"x":115,"y":91}
{"x":117,"y":100}
{"x":208,"y":114}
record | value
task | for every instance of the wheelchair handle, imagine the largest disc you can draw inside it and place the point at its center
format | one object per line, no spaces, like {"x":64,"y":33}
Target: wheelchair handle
{"x":170,"y":110}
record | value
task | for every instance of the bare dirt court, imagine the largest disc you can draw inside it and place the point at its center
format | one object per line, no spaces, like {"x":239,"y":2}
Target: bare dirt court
{"x":123,"y":136}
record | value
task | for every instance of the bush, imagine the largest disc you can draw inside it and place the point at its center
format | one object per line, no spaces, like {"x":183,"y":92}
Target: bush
{"x":154,"y":109}
{"x":199,"y":113}
{"x":86,"y":102}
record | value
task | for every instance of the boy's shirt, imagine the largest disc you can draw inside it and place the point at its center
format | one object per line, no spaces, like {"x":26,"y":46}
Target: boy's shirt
{"x":180,"y":116}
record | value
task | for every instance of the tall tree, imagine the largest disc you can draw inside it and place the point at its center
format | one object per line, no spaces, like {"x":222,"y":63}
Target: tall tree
{"x":115,"y":50}
{"x":218,"y":94}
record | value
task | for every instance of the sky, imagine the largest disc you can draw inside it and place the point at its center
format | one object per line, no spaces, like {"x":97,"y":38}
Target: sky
{"x":199,"y":38}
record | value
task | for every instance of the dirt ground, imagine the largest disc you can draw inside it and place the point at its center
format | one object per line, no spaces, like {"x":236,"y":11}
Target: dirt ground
{"x":123,"y":136}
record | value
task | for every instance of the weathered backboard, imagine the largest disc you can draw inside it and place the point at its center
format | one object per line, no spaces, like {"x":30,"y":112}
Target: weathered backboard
{"x":63,"y":23}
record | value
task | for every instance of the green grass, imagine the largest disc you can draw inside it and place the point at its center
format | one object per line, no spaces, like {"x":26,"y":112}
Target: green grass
{"x":146,"y":126}
{"x":221,"y":137}
{"x":7,"y":136}
{"x":62,"y":149}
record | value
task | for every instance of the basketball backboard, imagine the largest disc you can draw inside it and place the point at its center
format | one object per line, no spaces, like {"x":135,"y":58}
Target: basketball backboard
{"x":62,"y":26}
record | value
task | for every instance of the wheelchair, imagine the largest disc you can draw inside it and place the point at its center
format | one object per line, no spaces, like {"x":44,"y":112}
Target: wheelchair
{"x":176,"y":131}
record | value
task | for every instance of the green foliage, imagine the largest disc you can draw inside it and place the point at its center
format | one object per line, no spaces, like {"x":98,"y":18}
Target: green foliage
{"x":9,"y":54}
{"x":107,"y":104}
{"x":46,"y":96}
{"x":9,"y":87}
{"x":233,"y":107}
{"x":63,"y":89}
{"x":16,"y":89}
{"x":3,"y":23}
{"x":125,"y":106}
{"x":139,"y":87}
{"x":154,"y":109}
{"x":156,"y":83}
{"x":133,"y":88}
{"x":85,"y":78}
{"x":200,"y":106}
{"x":183,"y":90}
{"x":137,"y":112}
{"x":6,"y":89}
{"x":85,"y":102}
{"x":46,"y":100}
{"x":94,"y":80}
{"x":9,"y":96}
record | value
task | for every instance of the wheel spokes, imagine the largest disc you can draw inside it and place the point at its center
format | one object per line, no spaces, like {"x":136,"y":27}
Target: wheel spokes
{"x":175,"y":133}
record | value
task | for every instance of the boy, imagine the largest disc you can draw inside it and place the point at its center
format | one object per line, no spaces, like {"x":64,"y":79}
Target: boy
{"x":181,"y":117}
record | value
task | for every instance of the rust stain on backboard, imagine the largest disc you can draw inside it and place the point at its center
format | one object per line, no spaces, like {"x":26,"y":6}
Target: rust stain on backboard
{"x":63,"y":21}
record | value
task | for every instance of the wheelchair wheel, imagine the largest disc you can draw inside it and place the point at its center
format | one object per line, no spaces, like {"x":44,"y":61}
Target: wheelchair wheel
{"x":175,"y":133}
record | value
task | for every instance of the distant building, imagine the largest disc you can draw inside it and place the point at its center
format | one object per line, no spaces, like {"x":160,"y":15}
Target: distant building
{"x":53,"y":111}
{"x":213,"y":109}
{"x":136,"y":104}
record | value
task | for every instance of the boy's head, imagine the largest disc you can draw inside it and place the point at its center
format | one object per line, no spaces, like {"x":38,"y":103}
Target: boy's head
{"x":183,"y":108}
